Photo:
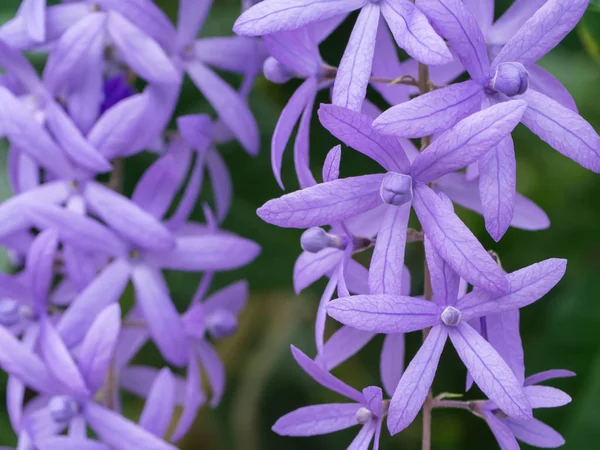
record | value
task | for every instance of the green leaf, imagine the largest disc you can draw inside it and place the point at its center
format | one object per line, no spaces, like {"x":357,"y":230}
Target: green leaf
{"x":589,"y":31}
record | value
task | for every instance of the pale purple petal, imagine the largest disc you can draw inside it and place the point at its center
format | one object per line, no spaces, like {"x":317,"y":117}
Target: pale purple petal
{"x":414,"y":385}
{"x":193,"y":399}
{"x":324,"y":378}
{"x":310,"y":267}
{"x":33,"y":14}
{"x":455,"y":23}
{"x":536,"y":433}
{"x":98,"y":347}
{"x":543,"y":81}
{"x":444,"y":280}
{"x":391,"y":366}
{"x":287,"y":121}
{"x":490,"y":372}
{"x":468,"y":140}
{"x":385,"y":313}
{"x":483,"y":11}
{"x":352,"y":78}
{"x":325,"y":203}
{"x":387,"y":264}
{"x":39,"y":266}
{"x":302,"y":147}
{"x":197,"y":130}
{"x":512,"y":20}
{"x":543,"y":31}
{"x":17,"y":65}
{"x":140,"y":52}
{"x":497,"y":187}
{"x":502,"y":432}
{"x":456,"y":244}
{"x":342,"y":345}
{"x":215,"y":370}
{"x":238,"y":54}
{"x":295,"y":50}
{"x":318,"y":419}
{"x":331,"y":167}
{"x":120,"y":432}
{"x":548,"y":375}
{"x":190,"y":18}
{"x":525,"y":287}
{"x":230,"y":106}
{"x":432,"y":112}
{"x":356,"y":131}
{"x":546,"y":397}
{"x":160,"y":404}
{"x":413,"y":32}
{"x":502,"y":331}
{"x":221,"y":184}
{"x":276,"y":15}
{"x":363,"y":439}
{"x":161,"y":316}
{"x":68,"y":443}
{"x":106,"y":289}
{"x":565,"y":130}
{"x":232,"y":298}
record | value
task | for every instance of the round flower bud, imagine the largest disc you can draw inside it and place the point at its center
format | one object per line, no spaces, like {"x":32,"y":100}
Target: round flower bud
{"x":363,"y":415}
{"x":9,"y":312}
{"x":63,"y":408}
{"x":511,"y":78}
{"x":275,"y":72}
{"x":221,"y":324}
{"x":451,"y":316}
{"x":396,"y":189}
{"x":316,"y":239}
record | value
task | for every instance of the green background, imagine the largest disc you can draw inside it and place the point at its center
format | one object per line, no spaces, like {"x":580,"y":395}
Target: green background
{"x":562,"y":331}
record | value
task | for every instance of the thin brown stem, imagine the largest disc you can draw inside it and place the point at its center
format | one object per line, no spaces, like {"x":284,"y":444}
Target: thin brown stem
{"x":115,"y":182}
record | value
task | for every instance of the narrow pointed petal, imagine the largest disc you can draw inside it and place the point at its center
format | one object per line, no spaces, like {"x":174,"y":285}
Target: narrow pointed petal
{"x":502,"y":432}
{"x":211,"y":251}
{"x":163,"y":319}
{"x":432,"y":112}
{"x":277,"y":15}
{"x":310,"y":267}
{"x":60,"y":362}
{"x":295,"y":50}
{"x":232,"y":298}
{"x":326,"y":297}
{"x":331,"y":166}
{"x":535,"y":433}
{"x":80,"y":231}
{"x":391,"y":366}
{"x":544,"y":82}
{"x":497,"y":187}
{"x":468,"y":140}
{"x":98,"y":347}
{"x":120,"y":432}
{"x":455,"y":23}
{"x":302,"y":147}
{"x":15,"y":399}
{"x":414,"y":385}
{"x":16,"y":64}
{"x":546,"y":397}
{"x":512,"y":20}
{"x":68,"y":443}
{"x":414,"y":34}
{"x":490,"y":372}
{"x":483,"y":11}
{"x":324,"y":378}
{"x":287,"y":121}
{"x":197,"y":130}
{"x":19,"y":361}
{"x":33,"y":14}
{"x":444,"y":280}
{"x":193,"y":399}
{"x":363,"y":439}
{"x":190,"y":18}
{"x":215,"y":371}
{"x":238,"y":54}
{"x":385,"y":313}
{"x":105,"y":290}
{"x":342,"y":345}
{"x":66,"y":61}
{"x":502,"y":331}
{"x":565,"y":130}
{"x":39,"y":267}
{"x":387,"y":265}
{"x":525,"y":287}
{"x":356,"y":131}
{"x":128,"y":219}
{"x":317,"y":419}
{"x":221,"y":183}
{"x":543,"y":31}
{"x":456,"y":244}
{"x":230,"y":106}
{"x":352,"y":78}
{"x":160,"y":404}
{"x":141,"y":53}
{"x":548,"y":375}
{"x":325,"y":203}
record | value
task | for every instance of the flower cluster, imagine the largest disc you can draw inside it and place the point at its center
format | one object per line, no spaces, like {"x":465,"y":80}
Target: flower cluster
{"x":467,"y":157}
{"x":108,"y":90}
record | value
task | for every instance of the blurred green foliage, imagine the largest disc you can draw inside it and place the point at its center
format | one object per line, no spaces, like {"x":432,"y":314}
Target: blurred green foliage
{"x":559,"y":332}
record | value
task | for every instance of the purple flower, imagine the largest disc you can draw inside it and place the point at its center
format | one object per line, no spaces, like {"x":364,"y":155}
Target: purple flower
{"x":507,"y":75}
{"x":409,"y":26}
{"x":449,"y":317}
{"x":368,"y":409}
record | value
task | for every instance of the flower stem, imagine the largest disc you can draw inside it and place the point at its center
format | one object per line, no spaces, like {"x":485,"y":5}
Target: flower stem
{"x":424,"y":87}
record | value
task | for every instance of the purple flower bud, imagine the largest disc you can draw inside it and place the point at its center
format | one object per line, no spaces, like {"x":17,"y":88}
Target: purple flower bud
{"x":275,"y":72}
{"x":363,"y":415}
{"x":9,"y":312}
{"x":451,"y":316}
{"x":511,"y":78}
{"x":221,"y":324}
{"x":396,"y":189}
{"x":316,"y":239}
{"x":63,"y":408}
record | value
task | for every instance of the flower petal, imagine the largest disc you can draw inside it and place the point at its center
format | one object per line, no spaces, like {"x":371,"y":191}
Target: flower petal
{"x":544,"y":82}
{"x":295,"y":50}
{"x":546,"y":397}
{"x":68,"y":443}
{"x":342,"y":345}
{"x":214,"y":369}
{"x":444,"y":280}
{"x":536,"y":433}
{"x":310,"y":267}
{"x":39,"y":266}
{"x":548,"y":375}
{"x":193,"y":399}
{"x":502,"y":331}
{"x":160,"y":404}
{"x":317,"y":419}
{"x":391,"y":366}
{"x":331,"y":166}
{"x":502,"y":432}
